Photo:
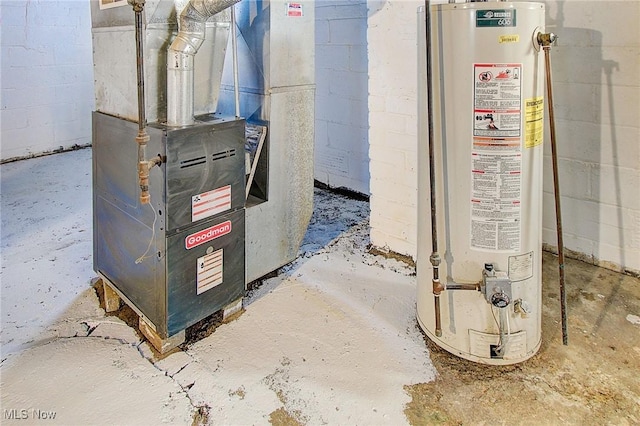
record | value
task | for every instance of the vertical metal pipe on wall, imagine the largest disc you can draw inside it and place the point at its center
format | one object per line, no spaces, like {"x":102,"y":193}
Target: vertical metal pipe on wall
{"x":546,"y":40}
{"x":234,"y":44}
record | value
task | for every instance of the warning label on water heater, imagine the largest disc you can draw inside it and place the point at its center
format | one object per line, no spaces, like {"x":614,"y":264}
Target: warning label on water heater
{"x":496,"y":158}
{"x":534,"y":128}
{"x":497,"y":100}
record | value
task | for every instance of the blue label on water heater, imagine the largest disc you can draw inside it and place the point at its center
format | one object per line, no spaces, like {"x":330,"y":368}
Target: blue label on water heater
{"x":496,"y":18}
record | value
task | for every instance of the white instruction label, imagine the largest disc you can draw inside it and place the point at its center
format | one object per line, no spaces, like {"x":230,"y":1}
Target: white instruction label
{"x":210,"y":203}
{"x":495,"y":200}
{"x":108,"y":4}
{"x":209,"y":272}
{"x":521,"y":267}
{"x":496,"y":158}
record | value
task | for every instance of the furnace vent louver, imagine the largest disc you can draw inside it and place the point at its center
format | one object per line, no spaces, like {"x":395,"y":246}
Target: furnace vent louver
{"x":201,"y":160}
{"x":224,"y":154}
{"x":193,"y":162}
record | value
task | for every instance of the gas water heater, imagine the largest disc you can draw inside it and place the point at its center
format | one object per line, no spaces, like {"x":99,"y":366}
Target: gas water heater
{"x":479,"y":285}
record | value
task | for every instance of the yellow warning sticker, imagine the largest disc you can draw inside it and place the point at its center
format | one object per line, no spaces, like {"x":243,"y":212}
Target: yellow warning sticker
{"x":534,"y":125}
{"x":515,"y":38}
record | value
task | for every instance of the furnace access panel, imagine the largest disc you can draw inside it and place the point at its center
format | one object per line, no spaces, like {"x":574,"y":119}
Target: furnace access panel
{"x":182,"y":257}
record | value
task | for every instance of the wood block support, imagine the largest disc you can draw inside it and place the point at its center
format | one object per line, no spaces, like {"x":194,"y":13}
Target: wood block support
{"x":111,"y":298}
{"x":231,"y":311}
{"x":162,"y":345}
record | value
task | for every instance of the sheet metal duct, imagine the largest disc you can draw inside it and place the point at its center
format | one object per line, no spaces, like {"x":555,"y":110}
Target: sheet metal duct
{"x":114,"y":59}
{"x":275,"y":38}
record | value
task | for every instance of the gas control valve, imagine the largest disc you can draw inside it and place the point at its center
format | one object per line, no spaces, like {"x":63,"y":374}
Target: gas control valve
{"x":496,"y":286}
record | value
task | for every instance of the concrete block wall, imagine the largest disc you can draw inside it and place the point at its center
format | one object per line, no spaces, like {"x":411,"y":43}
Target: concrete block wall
{"x":596,"y":65}
{"x":46,"y":99}
{"x":596,"y":81}
{"x":47,"y":77}
{"x":392,"y":50}
{"x":341,"y":143}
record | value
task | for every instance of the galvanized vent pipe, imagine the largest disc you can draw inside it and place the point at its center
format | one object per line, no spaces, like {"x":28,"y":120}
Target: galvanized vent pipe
{"x":180,"y":57}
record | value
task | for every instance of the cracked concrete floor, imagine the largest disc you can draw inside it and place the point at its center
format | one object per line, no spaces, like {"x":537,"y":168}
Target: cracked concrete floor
{"x":331,"y":340}
{"x":298,"y":354}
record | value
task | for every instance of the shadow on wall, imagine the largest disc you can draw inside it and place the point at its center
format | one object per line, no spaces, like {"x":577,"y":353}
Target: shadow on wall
{"x":578,"y":68}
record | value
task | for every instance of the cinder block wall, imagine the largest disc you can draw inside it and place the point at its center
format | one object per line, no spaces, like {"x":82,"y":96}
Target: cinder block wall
{"x":596,"y":81}
{"x":47,"y":78}
{"x":597,"y":107}
{"x":46,"y":99}
{"x":392,"y":49}
{"x":341,"y":148}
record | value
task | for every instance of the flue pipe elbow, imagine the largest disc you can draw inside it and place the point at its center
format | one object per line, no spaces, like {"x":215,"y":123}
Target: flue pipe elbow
{"x":191,"y":35}
{"x":191,"y":24}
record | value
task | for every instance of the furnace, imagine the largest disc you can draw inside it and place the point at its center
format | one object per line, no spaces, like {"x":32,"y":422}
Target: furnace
{"x":205,"y":183}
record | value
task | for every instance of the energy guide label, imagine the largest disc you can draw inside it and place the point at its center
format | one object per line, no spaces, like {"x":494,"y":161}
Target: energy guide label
{"x":209,"y":273}
{"x":495,"y":200}
{"x":210,"y":203}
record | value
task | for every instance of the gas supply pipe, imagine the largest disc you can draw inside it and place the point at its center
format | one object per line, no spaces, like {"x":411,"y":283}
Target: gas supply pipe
{"x":142,"y":138}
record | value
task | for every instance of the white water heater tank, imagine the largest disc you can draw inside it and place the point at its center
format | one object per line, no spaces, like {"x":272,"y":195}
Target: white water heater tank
{"x":487,"y":108}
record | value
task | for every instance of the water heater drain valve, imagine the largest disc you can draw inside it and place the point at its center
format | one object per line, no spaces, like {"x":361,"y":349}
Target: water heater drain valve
{"x":496,"y":286}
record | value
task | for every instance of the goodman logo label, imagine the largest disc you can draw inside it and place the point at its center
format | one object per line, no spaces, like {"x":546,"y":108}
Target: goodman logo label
{"x":206,"y":235}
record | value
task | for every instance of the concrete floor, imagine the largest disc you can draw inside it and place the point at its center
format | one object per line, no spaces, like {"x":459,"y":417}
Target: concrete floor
{"x":331,"y":340}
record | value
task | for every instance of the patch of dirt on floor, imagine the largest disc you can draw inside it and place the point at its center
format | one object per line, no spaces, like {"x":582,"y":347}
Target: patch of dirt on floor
{"x":593,"y":380}
{"x":201,"y":416}
{"x":281,"y":417}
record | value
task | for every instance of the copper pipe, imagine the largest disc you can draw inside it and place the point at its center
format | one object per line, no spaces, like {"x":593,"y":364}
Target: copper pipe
{"x":546,"y":40}
{"x":436,"y":300}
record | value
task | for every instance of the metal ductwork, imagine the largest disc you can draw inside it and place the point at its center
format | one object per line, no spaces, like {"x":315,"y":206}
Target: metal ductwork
{"x":180,"y":57}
